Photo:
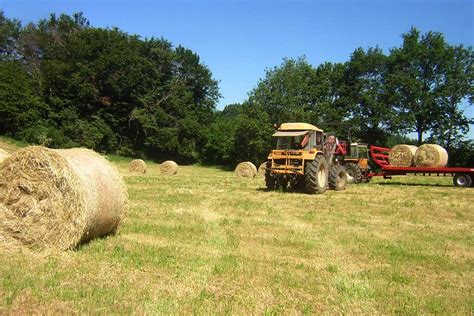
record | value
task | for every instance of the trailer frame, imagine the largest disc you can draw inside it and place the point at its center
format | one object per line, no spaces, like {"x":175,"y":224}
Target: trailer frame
{"x":462,"y":176}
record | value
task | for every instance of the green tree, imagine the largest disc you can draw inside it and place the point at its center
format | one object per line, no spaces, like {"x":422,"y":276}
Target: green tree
{"x":295,"y":91}
{"x":220,"y":136}
{"x":423,"y":84}
{"x":22,"y":112}
{"x":253,"y":135}
{"x":9,"y":33}
{"x":105,"y":89}
{"x":455,"y":90}
{"x":366,"y":95}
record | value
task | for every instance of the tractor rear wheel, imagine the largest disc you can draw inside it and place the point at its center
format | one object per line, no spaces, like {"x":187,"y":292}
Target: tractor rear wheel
{"x":337,"y":178}
{"x":316,"y":175}
{"x":354,"y":171}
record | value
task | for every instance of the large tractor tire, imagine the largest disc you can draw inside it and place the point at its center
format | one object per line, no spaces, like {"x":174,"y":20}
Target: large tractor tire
{"x":316,"y":175}
{"x":337,"y":178}
{"x":354,"y":171}
{"x":270,"y":179}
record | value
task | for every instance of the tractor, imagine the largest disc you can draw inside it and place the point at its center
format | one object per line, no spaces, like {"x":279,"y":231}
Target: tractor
{"x":304,"y":158}
{"x":355,"y":159}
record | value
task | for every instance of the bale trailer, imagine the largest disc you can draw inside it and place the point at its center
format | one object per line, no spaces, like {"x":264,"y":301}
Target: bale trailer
{"x":462,"y":176}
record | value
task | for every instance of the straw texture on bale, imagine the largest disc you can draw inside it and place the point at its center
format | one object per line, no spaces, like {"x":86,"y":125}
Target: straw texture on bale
{"x":431,"y":155}
{"x":262,"y":168}
{"x":169,"y":168}
{"x":3,"y":155}
{"x":402,"y":155}
{"x":137,"y":165}
{"x":245,"y":169}
{"x":56,"y":199}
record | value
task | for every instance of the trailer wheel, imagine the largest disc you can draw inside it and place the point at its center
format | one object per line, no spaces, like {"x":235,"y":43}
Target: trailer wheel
{"x":316,"y":175}
{"x":462,"y":180}
{"x":354,"y":171}
{"x":337,"y":178}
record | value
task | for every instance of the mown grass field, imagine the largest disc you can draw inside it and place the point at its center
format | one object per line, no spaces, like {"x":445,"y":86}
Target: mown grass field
{"x":204,"y":241}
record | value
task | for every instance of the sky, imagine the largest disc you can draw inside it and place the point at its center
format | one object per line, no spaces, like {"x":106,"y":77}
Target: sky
{"x":239,"y":39}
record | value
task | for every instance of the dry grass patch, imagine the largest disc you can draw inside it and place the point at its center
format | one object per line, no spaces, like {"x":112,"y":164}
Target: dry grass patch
{"x":206,"y":242}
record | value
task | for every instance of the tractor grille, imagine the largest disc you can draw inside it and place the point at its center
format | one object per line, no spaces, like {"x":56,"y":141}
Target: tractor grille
{"x":296,"y":162}
{"x":279,"y":161}
{"x":288,"y":164}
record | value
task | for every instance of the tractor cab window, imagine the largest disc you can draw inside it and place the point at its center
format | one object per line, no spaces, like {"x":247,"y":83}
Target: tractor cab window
{"x":293,"y":142}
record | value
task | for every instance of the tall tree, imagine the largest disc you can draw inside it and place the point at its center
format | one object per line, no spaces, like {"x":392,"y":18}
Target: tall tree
{"x":417,"y":82}
{"x":455,"y":92}
{"x":295,"y":91}
{"x":364,"y":88}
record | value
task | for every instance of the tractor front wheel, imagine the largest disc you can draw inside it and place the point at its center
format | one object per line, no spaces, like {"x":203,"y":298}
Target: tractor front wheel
{"x":337,"y":178}
{"x":270,"y":179}
{"x":316,"y":175}
{"x":354,"y":171}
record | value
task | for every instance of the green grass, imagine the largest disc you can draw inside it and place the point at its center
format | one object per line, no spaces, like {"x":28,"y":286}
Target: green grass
{"x":204,"y":241}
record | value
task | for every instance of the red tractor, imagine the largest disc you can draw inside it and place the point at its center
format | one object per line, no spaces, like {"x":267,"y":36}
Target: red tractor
{"x":355,"y":159}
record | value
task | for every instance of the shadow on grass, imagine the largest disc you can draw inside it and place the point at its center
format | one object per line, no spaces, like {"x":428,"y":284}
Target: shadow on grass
{"x":82,"y":245}
{"x":286,"y":191}
{"x":416,"y":184}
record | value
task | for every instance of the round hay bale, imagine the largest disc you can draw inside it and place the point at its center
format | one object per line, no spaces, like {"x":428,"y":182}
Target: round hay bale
{"x":3,"y":155}
{"x":245,"y":169}
{"x":137,"y":165}
{"x":262,"y":168}
{"x":431,"y":155}
{"x":169,"y":168}
{"x":57,"y":199}
{"x":402,"y":155}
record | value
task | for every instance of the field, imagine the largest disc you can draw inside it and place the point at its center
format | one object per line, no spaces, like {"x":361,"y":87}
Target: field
{"x":204,"y":241}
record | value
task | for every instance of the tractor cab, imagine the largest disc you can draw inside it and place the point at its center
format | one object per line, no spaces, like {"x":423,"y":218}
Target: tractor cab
{"x":354,"y":157}
{"x":298,"y":136}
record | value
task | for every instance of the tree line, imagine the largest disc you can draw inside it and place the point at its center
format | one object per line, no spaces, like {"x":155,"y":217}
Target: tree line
{"x":65,"y":83}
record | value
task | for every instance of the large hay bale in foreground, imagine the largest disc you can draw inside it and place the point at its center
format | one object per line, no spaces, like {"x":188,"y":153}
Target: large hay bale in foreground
{"x":402,"y":155}
{"x":3,"y":155}
{"x":431,"y":155}
{"x":169,"y":168}
{"x":245,"y":169}
{"x":137,"y":165}
{"x":59,"y":198}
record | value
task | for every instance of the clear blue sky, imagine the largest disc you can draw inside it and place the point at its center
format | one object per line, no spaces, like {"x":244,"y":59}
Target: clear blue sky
{"x":238,"y":39}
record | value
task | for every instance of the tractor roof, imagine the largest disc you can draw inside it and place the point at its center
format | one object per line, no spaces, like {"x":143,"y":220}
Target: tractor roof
{"x":298,"y":127}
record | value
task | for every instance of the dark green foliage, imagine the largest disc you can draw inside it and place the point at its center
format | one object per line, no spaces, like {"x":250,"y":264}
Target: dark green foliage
{"x":239,"y":133}
{"x":253,"y":135}
{"x":364,"y":88}
{"x":463,"y":154}
{"x":427,"y":79}
{"x":64,"y":83}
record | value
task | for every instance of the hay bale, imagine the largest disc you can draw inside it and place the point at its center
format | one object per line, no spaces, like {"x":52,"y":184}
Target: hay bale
{"x":245,"y":169}
{"x":3,"y":155}
{"x":169,"y":168}
{"x":402,"y":155}
{"x":137,"y":165}
{"x":59,"y":198}
{"x":431,"y":155}
{"x":262,"y":169}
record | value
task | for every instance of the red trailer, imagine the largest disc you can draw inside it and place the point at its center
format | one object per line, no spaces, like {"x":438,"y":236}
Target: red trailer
{"x":462,"y":177}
